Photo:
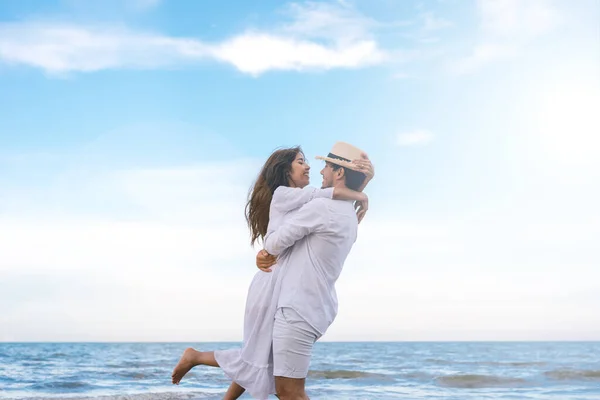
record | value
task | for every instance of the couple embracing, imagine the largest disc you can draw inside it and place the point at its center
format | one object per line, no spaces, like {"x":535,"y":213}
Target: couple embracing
{"x":307,"y":235}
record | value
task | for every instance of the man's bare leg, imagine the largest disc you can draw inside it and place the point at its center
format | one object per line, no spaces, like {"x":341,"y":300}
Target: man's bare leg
{"x":189,"y":360}
{"x":234,"y":391}
{"x":290,"y":388}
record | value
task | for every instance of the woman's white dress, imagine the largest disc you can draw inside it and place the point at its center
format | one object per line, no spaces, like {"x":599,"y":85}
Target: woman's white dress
{"x":252,"y":365}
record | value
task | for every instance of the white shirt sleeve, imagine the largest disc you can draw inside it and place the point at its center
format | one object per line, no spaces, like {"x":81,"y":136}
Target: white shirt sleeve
{"x":286,"y":198}
{"x":312,"y":217}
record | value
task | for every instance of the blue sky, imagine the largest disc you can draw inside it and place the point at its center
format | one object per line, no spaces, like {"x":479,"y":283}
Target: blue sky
{"x":131,"y":130}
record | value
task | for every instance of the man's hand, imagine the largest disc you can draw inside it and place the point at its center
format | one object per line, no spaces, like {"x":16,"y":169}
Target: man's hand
{"x":361,"y":207}
{"x":365,"y":166}
{"x":264,"y":261}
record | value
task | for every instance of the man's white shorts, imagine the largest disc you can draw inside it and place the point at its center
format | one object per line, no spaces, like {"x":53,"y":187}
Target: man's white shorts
{"x":293,"y":340}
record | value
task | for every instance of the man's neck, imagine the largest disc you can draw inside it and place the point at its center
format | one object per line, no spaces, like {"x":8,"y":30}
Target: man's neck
{"x":339,"y":185}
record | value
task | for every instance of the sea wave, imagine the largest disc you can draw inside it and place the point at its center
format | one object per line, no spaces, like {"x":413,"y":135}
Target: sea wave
{"x":57,"y":355}
{"x":418,"y":375}
{"x":523,"y":364}
{"x":439,"y":361}
{"x":140,"y":396}
{"x":479,"y":381}
{"x":61,"y":385}
{"x":574,"y":375}
{"x":488,"y":363}
{"x":134,"y":375}
{"x":345,"y":374}
{"x":135,"y":364}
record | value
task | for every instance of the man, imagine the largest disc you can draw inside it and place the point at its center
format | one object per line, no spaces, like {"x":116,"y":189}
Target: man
{"x":318,"y":238}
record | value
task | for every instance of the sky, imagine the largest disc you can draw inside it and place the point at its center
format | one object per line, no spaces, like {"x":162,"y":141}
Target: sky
{"x":132,"y":130}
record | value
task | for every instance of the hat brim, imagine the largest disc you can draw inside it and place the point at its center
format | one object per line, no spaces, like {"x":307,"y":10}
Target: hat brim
{"x":342,"y":163}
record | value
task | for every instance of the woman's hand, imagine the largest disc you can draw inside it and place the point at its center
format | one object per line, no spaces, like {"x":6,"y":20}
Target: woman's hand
{"x":361,"y":207}
{"x":365,"y":166}
{"x":264,"y":261}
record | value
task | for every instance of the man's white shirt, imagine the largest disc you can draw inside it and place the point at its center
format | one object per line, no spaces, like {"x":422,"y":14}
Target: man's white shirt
{"x":318,"y":238}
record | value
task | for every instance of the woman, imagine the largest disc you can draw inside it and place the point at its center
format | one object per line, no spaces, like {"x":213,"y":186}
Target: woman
{"x":280,"y":190}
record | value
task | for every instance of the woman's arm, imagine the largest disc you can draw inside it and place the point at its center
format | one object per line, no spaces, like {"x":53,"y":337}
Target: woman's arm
{"x":361,"y":200}
{"x":366,"y":167}
{"x":287,"y":198}
{"x":348,"y":194}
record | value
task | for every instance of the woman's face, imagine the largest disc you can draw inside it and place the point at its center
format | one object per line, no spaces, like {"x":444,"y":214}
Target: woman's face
{"x":299,"y":176}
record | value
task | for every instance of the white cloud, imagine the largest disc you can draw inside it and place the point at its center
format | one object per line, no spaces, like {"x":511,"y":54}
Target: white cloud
{"x":461,"y":279}
{"x":565,"y":124}
{"x":336,"y":22}
{"x":256,"y":54}
{"x":172,"y":238}
{"x":433,"y":23}
{"x":517,"y":18}
{"x":318,"y":37}
{"x":506,"y":26}
{"x":162,"y":271}
{"x":427,"y":26}
{"x":401,"y":75}
{"x":414,"y":138}
{"x":182,"y":243}
{"x":65,"y":48}
{"x":483,"y":54}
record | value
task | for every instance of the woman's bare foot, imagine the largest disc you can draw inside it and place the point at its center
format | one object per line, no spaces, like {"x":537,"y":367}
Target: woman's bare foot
{"x":187,"y":362}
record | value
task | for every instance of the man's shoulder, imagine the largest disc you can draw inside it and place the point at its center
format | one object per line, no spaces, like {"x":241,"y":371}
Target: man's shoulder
{"x":318,"y":203}
{"x":326,"y":203}
{"x":336,"y":208}
{"x":321,"y":207}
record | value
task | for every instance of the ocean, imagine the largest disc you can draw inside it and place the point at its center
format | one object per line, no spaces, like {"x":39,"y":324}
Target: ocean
{"x":366,"y":370}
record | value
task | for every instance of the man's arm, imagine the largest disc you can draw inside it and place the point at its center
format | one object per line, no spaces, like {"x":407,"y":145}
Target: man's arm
{"x":312,"y":217}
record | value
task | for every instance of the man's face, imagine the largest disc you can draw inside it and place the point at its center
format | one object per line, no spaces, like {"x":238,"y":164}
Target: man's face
{"x":327,"y":173}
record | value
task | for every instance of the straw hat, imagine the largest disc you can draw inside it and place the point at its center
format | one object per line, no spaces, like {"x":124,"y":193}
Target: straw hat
{"x":342,"y":154}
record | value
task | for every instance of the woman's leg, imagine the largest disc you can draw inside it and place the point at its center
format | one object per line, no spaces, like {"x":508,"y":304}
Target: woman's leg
{"x":189,"y":360}
{"x":234,"y":391}
{"x":192,"y":358}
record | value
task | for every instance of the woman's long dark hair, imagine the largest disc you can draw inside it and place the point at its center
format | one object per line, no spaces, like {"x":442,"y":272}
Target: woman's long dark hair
{"x":274,"y":173}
